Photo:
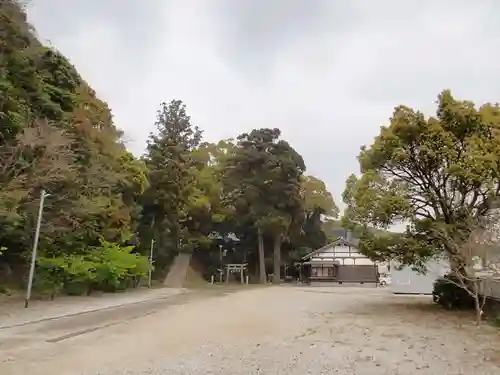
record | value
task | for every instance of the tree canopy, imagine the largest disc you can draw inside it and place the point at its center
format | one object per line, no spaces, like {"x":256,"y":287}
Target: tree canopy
{"x":262,"y":180}
{"x":438,"y":175}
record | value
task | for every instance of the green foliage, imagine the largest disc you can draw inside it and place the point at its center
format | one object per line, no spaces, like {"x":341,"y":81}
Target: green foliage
{"x":172,"y":178}
{"x":450,"y":295}
{"x":438,"y":174}
{"x":5,"y":290}
{"x":117,"y":264}
{"x":319,"y":212}
{"x":206,"y":212}
{"x":297,"y":254}
{"x":107,"y":267}
{"x":55,"y":134}
{"x":317,"y":197}
{"x":262,"y":181}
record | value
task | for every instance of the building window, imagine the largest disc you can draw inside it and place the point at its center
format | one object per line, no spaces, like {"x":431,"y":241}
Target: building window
{"x":331,"y":271}
{"x":314,"y":272}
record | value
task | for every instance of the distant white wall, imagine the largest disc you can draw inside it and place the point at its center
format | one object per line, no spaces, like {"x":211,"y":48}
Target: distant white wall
{"x":408,"y":281}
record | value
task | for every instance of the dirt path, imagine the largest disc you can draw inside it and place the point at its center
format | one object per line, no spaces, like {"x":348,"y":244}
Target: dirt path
{"x":276,"y":330}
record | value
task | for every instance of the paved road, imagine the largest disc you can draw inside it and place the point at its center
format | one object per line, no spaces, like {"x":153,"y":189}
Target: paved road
{"x":13,"y":313}
{"x":24,"y":334}
{"x":274,"y":330}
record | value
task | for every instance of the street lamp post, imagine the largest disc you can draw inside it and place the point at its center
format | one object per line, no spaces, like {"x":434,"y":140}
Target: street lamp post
{"x":43,"y":195}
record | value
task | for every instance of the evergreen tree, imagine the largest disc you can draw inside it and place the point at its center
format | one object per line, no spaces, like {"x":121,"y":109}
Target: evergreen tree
{"x":172,"y":167}
{"x":262,"y":182}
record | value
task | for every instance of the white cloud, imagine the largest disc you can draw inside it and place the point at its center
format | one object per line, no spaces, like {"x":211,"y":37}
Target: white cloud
{"x":328,"y":76}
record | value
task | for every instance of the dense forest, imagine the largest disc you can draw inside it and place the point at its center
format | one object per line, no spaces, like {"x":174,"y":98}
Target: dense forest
{"x":105,"y":206}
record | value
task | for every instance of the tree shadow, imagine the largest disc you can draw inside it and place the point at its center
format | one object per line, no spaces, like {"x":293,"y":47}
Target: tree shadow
{"x":414,"y":310}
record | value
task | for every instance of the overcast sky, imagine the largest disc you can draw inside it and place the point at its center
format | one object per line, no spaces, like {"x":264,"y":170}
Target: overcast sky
{"x":328,"y":73}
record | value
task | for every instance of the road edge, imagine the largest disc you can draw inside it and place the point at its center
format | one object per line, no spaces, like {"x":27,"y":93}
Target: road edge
{"x":90,"y":311}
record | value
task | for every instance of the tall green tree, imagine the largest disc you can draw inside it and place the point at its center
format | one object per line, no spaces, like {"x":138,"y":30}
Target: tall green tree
{"x":262,"y":183}
{"x":437,"y":174}
{"x":319,"y":208}
{"x":207,"y":215}
{"x":172,"y":176}
{"x":317,"y":197}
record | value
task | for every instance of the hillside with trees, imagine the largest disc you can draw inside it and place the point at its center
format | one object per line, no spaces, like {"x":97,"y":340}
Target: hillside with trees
{"x":105,"y":205}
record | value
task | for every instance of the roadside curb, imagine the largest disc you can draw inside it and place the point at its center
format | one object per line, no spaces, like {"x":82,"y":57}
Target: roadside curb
{"x":90,"y":311}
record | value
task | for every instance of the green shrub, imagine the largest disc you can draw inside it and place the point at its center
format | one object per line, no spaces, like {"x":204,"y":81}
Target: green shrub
{"x":5,"y":290}
{"x":496,"y":320}
{"x":108,"y":267}
{"x":49,"y":278}
{"x":450,"y":295}
{"x":72,"y":273}
{"x":117,"y":266}
{"x":79,"y":274}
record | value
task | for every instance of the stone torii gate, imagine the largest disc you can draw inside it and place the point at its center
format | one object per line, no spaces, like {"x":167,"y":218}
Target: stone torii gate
{"x":236,"y":267}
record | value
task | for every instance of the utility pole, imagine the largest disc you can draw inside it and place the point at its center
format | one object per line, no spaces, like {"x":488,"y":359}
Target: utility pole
{"x":151,"y":263}
{"x":150,"y":273}
{"x":221,"y":265}
{"x":43,"y":195}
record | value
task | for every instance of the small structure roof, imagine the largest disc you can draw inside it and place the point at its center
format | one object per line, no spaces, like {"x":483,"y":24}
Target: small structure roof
{"x":337,"y":242}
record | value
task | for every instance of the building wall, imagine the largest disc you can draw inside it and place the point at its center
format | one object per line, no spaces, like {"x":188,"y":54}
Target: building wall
{"x":345,"y":255}
{"x":357,"y":274}
{"x":323,"y":271}
{"x":352,"y":267}
{"x":408,"y":281}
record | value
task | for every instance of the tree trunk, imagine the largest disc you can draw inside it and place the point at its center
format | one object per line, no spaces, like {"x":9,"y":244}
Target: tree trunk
{"x":277,"y":259}
{"x":478,"y":310}
{"x":262,"y":260}
{"x":477,"y":304}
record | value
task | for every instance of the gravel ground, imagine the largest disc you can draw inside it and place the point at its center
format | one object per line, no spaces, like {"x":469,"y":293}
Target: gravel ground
{"x":277,"y":330}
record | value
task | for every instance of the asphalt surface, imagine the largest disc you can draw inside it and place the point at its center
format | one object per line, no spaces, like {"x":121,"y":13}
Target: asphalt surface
{"x":22,"y":336}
